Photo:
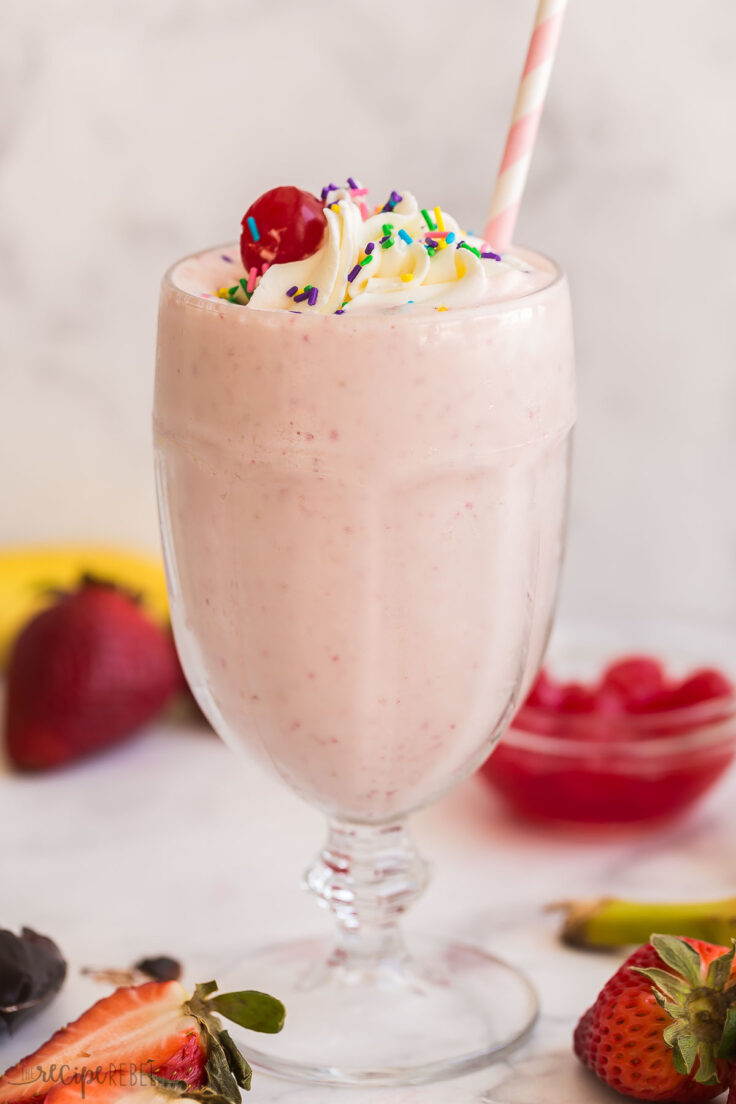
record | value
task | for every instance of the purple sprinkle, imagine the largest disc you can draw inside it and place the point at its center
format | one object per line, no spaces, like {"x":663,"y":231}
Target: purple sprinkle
{"x":339,"y":312}
{"x":313,"y":296}
{"x":370,"y":247}
{"x":353,"y":273}
{"x":430,"y":242}
{"x":300,"y":298}
{"x":391,"y":202}
{"x":492,"y":256}
{"x":327,"y":189}
{"x":292,"y":291}
{"x":383,"y":239}
{"x":226,"y":258}
{"x":351,"y":183}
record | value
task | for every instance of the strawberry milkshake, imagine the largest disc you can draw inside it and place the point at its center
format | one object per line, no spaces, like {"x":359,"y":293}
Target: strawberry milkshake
{"x":362,"y":429}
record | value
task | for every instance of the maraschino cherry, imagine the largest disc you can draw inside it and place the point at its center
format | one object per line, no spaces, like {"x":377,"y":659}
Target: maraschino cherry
{"x":284,"y":224}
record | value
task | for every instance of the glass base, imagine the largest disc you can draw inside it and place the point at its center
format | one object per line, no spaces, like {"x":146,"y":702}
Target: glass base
{"x":446,"y":1010}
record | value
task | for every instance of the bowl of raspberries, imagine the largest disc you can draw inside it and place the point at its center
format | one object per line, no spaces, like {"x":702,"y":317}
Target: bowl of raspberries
{"x":612,"y":735}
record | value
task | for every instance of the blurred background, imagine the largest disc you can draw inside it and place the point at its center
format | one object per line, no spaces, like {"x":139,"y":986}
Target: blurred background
{"x":133,"y":133}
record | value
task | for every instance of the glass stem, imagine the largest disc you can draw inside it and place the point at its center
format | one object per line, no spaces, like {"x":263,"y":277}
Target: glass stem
{"x":367,"y":876}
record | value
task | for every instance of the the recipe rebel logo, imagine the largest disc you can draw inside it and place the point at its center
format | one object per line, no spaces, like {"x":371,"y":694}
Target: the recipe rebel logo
{"x":129,"y":1075}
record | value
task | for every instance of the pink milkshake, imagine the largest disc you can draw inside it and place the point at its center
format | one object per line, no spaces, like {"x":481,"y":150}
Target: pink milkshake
{"x":362,"y":453}
{"x":363,"y":510}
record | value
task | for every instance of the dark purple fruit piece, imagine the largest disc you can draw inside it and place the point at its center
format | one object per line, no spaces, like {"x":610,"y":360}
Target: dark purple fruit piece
{"x":32,"y":971}
{"x":161,"y":968}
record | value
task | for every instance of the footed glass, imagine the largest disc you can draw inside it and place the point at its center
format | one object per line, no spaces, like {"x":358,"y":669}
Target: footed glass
{"x":363,"y":524}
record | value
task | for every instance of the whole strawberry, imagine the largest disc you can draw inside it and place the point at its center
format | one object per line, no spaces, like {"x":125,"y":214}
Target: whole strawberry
{"x":83,"y":674}
{"x":664,"y":1026}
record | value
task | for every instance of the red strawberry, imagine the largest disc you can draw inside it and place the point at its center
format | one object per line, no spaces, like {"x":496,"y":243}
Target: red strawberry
{"x":84,"y":674}
{"x":109,"y":1089}
{"x":660,"y":1027}
{"x":142,"y":1031}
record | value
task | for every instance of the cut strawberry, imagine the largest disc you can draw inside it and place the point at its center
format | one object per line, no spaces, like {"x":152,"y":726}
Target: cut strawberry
{"x":119,"y":1085}
{"x":146,"y":1030}
{"x":144,"y":1025}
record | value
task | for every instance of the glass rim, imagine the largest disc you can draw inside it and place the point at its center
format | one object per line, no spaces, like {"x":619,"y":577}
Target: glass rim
{"x":502,"y":306}
{"x":705,"y":724}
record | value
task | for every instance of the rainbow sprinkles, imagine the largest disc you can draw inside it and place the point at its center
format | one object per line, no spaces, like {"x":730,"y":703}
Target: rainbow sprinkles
{"x":393,"y":256}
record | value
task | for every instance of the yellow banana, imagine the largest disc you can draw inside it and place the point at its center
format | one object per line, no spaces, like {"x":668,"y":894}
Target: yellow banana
{"x":28,"y":574}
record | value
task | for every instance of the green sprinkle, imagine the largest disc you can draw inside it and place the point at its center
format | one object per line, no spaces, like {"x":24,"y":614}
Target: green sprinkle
{"x":431,"y":251}
{"x":233,"y":290}
{"x":428,"y":220}
{"x":366,"y":260}
{"x":387,"y":228}
{"x":387,"y":244}
{"x":308,"y":287}
{"x":470,"y":248}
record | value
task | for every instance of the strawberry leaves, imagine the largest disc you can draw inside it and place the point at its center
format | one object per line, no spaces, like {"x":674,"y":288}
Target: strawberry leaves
{"x":226,"y":1068}
{"x":251,"y":1009}
{"x":703,"y":1027}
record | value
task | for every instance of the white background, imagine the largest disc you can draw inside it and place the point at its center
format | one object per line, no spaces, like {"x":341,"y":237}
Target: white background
{"x":131,"y":133}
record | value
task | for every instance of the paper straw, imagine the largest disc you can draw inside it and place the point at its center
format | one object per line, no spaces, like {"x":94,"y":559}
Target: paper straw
{"x":530,"y":98}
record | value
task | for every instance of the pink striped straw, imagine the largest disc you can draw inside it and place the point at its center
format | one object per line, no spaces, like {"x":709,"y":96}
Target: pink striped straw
{"x":522,"y":135}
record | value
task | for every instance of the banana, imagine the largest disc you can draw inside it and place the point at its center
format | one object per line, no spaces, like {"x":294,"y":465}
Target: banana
{"x":29,"y":576}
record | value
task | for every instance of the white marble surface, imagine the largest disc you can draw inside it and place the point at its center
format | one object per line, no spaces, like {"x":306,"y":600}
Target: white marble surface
{"x":132,"y":133}
{"x":169,"y":845}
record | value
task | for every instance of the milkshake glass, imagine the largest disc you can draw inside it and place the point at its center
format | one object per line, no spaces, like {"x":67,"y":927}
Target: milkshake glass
{"x":363,"y":521}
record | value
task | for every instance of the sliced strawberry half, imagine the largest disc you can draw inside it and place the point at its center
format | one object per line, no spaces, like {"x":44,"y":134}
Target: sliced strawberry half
{"x":144,"y":1030}
{"x":110,"y":1090}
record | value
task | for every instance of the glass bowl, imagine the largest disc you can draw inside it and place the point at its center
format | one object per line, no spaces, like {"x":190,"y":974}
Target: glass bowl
{"x":607,"y":767}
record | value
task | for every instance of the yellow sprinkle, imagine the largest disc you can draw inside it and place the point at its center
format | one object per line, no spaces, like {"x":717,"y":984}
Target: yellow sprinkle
{"x":440,"y":308}
{"x":223,"y":293}
{"x":334,"y":207}
{"x":407,"y":276}
{"x":441,"y":243}
{"x":438,"y":219}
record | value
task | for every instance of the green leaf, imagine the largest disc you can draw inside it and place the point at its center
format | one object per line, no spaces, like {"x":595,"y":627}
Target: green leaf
{"x":678,"y":1060}
{"x":251,"y":1009}
{"x":239,"y":1068}
{"x":727,"y":1045}
{"x":672,"y":1033}
{"x":178,"y":1089}
{"x":719,"y":970}
{"x":707,"y":1073}
{"x":687,"y":1050}
{"x":219,"y":1075}
{"x":673,"y":987}
{"x":680,"y":956}
{"x":204,"y":989}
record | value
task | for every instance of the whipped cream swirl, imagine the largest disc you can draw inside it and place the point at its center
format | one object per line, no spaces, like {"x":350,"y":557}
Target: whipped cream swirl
{"x":418,"y":266}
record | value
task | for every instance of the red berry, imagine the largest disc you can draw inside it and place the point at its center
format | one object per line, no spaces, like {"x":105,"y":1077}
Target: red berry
{"x":632,"y":680}
{"x":84,"y":674}
{"x":621,"y":1038}
{"x":635,"y":677}
{"x":545,"y":693}
{"x":289,"y":225}
{"x":577,"y":698}
{"x":703,"y":686}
